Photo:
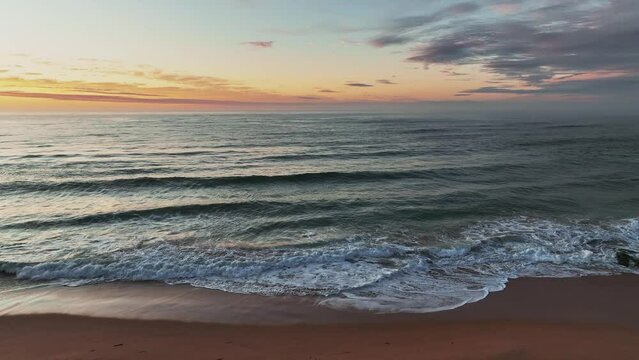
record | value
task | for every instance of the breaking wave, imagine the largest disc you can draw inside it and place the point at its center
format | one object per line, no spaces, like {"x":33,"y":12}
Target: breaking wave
{"x":362,"y":272}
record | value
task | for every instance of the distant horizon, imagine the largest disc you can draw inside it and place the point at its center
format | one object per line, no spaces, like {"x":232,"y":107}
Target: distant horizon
{"x":450,"y":109}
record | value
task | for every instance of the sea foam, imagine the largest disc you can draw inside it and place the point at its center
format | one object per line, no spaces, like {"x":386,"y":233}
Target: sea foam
{"x":367,"y":273}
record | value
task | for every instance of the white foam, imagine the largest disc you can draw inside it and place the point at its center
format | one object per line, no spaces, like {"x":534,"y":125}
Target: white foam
{"x":369,"y":273}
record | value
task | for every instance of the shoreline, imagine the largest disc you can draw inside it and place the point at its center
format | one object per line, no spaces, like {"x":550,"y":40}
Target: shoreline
{"x":579,"y":300}
{"x":586,"y":318}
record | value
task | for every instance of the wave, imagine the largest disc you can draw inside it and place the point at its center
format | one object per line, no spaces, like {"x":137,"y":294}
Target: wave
{"x":211,"y":151}
{"x":206,"y":182}
{"x":181,"y":181}
{"x":567,"y":141}
{"x":360,"y":271}
{"x":245,"y":207}
{"x":428,"y":131}
{"x":572,"y":126}
{"x":273,"y":215}
{"x":339,"y":155}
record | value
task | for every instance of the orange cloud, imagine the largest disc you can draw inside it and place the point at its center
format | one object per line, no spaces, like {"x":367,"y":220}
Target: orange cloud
{"x":124,"y":99}
{"x":180,"y":89}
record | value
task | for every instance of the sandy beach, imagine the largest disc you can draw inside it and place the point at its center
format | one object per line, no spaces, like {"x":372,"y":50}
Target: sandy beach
{"x":578,"y":318}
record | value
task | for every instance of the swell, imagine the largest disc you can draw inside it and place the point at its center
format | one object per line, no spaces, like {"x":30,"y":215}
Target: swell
{"x":341,"y":155}
{"x":458,"y":204}
{"x":207,"y":182}
{"x":572,"y":126}
{"x":568,"y":141}
{"x":261,"y":208}
{"x":135,"y":158}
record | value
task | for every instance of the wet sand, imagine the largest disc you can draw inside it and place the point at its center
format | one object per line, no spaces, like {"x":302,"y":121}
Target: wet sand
{"x":583,"y":318}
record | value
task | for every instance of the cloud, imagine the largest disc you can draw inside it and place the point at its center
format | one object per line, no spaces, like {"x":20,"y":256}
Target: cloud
{"x":386,"y":82}
{"x":391,"y":39}
{"x":327,"y":91}
{"x":113,"y":92}
{"x":199,"y":88}
{"x":122,"y":99}
{"x":181,"y":79}
{"x":397,"y":32}
{"x":309,"y":97}
{"x":541,"y":41}
{"x":618,"y":85}
{"x":452,"y":72}
{"x":497,"y":90}
{"x":411,"y":22}
{"x":358,"y":84}
{"x":259,"y":44}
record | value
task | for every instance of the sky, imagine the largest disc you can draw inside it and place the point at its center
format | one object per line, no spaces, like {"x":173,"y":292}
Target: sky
{"x":228,"y":55}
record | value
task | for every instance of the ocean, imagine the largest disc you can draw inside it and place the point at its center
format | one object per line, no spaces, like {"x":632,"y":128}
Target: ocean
{"x":389,"y":213}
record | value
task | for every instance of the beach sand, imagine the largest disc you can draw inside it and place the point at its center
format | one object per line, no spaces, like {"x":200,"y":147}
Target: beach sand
{"x":578,"y":318}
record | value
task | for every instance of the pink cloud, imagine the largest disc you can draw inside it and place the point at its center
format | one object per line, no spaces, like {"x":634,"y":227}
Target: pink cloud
{"x":259,"y":44}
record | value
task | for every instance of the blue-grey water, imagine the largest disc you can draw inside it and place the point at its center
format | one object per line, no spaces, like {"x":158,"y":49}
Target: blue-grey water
{"x":390,"y":213}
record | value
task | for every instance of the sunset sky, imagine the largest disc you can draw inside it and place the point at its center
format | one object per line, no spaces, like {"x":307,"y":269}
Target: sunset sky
{"x":157,"y":55}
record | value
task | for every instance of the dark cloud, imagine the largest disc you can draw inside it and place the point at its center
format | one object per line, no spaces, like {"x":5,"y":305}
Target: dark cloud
{"x":496,"y":90}
{"x":309,"y":97}
{"x":386,"y":40}
{"x":617,"y":85}
{"x":358,"y":84}
{"x":386,"y":82}
{"x":327,"y":91}
{"x":543,"y":41}
{"x":259,"y":44}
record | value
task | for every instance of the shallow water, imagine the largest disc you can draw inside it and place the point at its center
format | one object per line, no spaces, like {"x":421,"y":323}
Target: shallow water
{"x":390,"y":213}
